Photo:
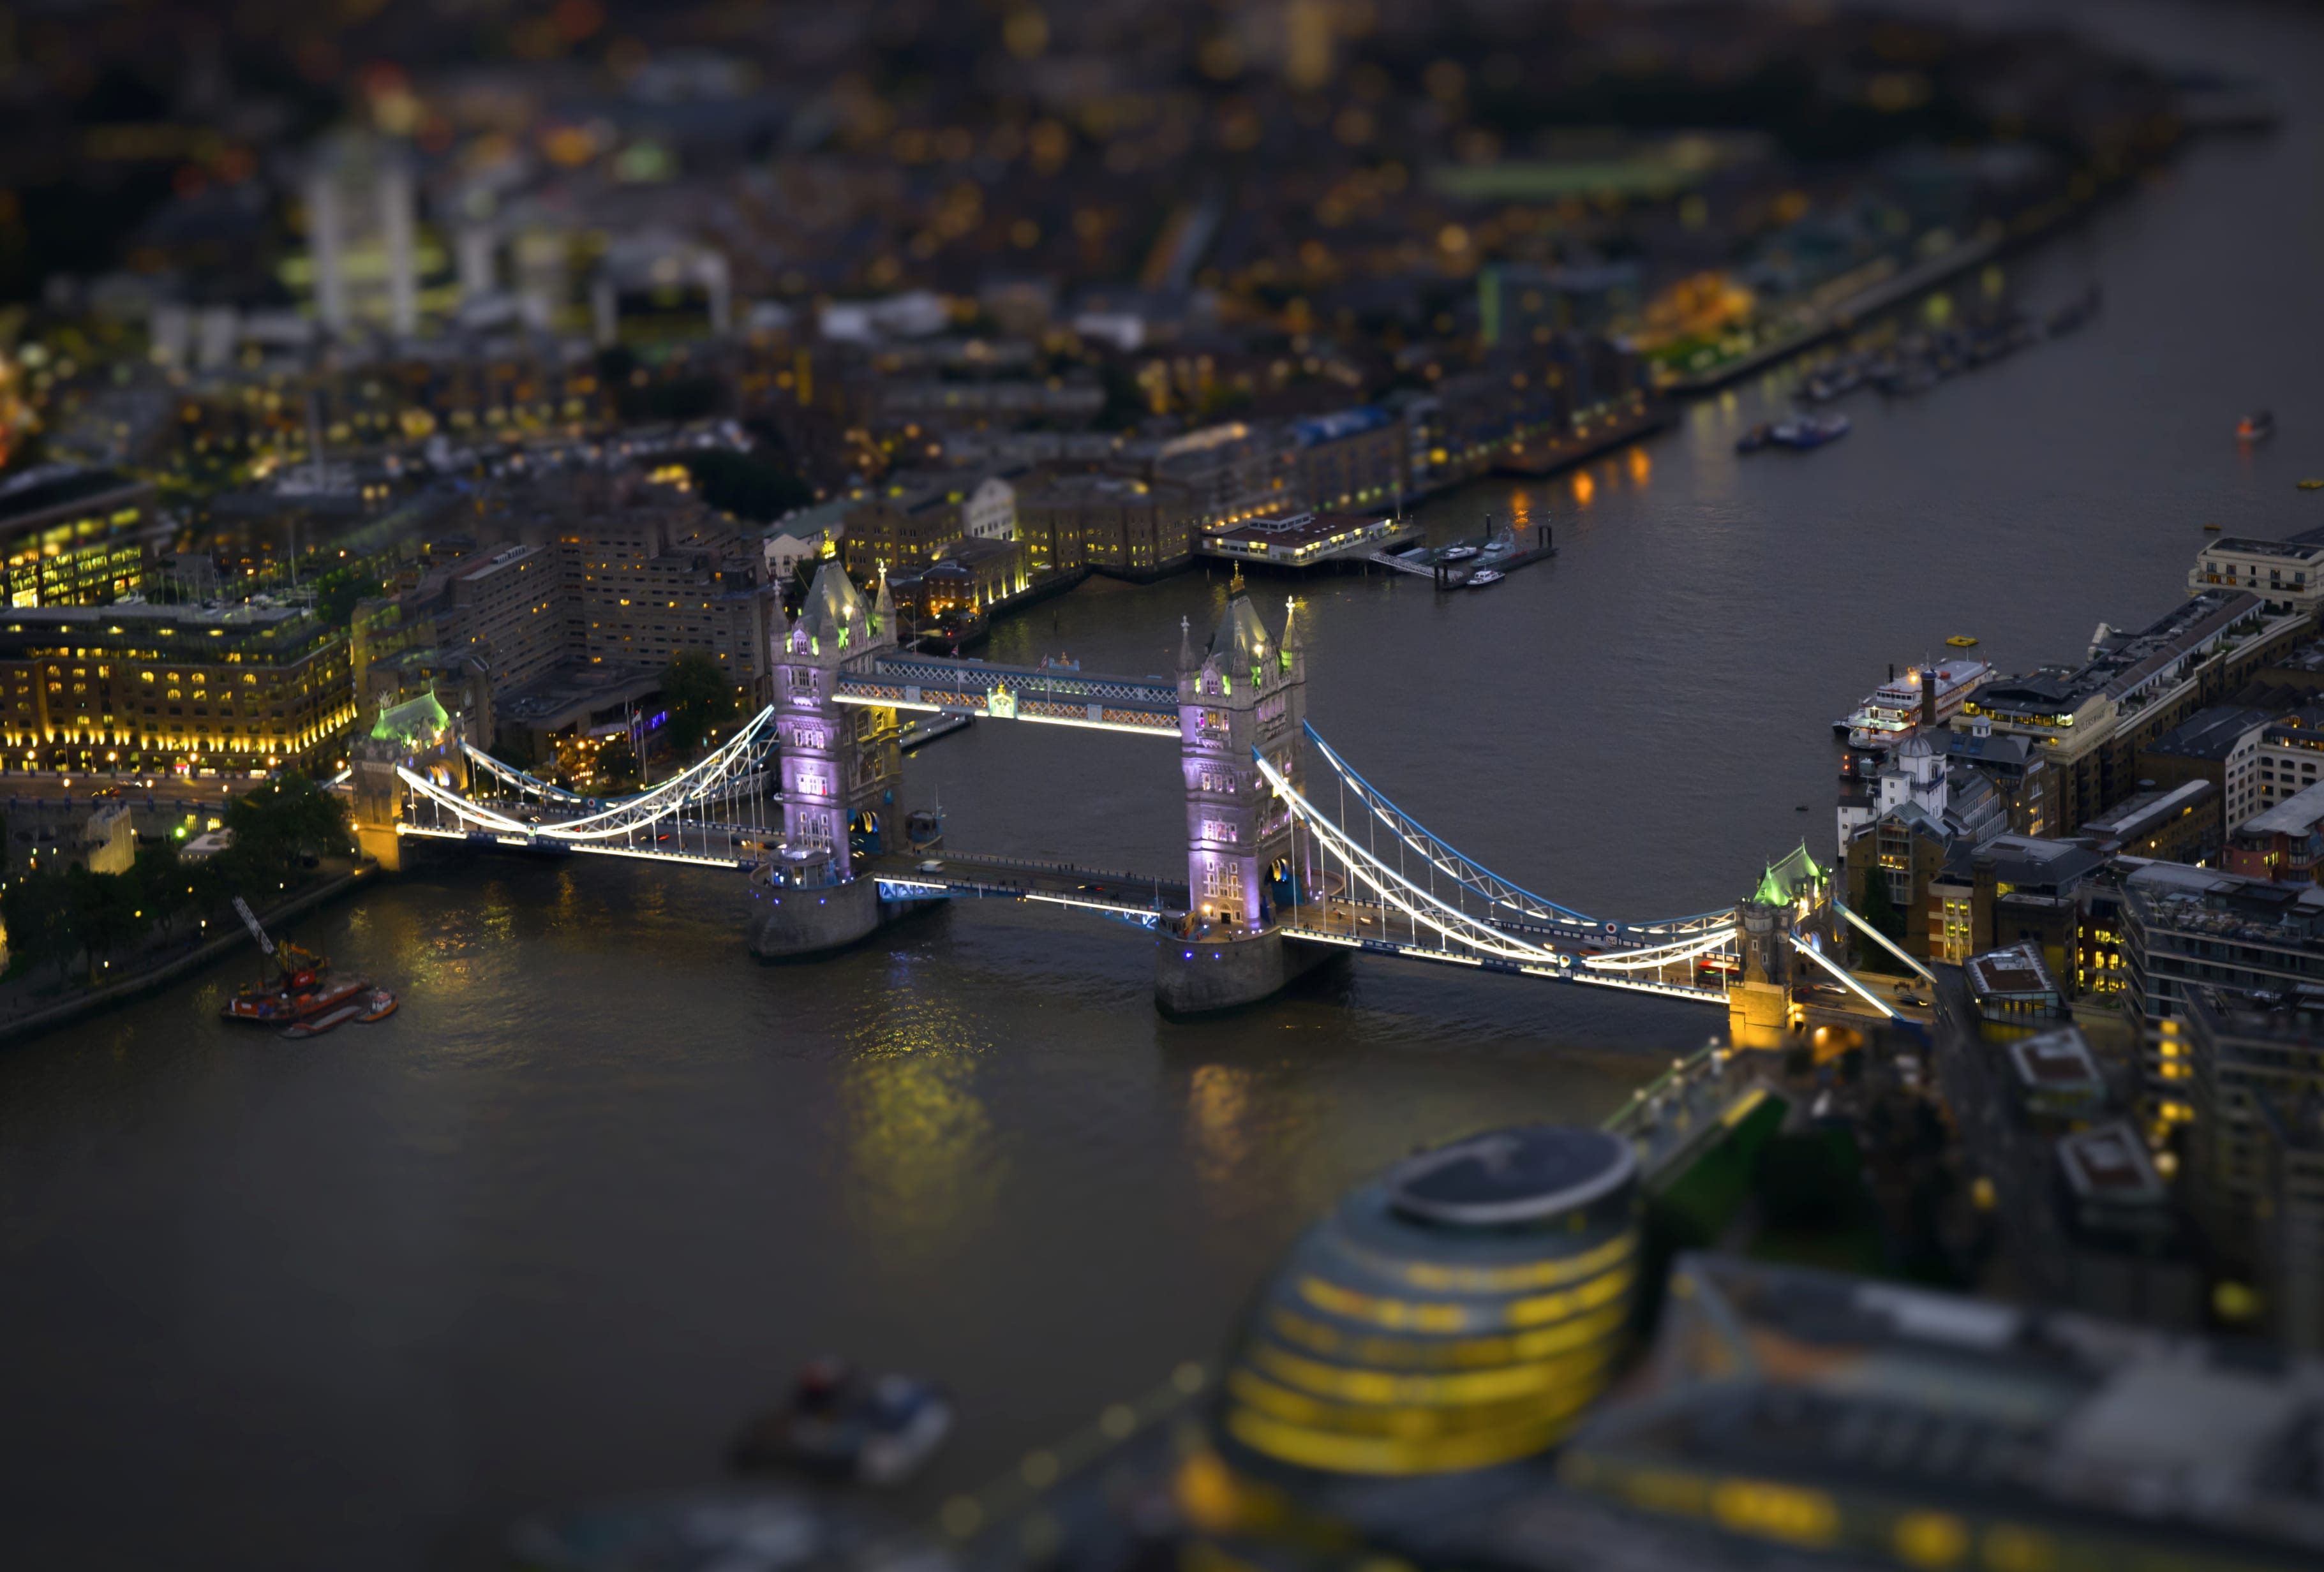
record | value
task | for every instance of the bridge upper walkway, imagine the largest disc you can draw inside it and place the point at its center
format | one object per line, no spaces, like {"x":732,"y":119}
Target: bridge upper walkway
{"x":1145,"y":706}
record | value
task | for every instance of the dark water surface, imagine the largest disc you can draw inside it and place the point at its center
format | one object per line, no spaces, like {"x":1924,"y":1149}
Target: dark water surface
{"x":555,"y":1229}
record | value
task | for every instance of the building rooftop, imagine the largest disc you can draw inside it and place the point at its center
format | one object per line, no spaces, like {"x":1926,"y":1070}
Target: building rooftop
{"x":2124,"y":664}
{"x":2212,"y":734}
{"x":2033,"y":864}
{"x":56,"y":485}
{"x":1864,"y":1407}
{"x":2295,"y":815}
{"x":2014,"y":969}
{"x":2145,"y":815}
{"x":2302,"y":547}
{"x":2109,"y":1164}
{"x":2056,"y":1061}
{"x":2203,"y":900}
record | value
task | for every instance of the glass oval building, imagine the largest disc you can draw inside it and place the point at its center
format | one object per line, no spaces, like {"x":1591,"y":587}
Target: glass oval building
{"x":1459,"y":1311}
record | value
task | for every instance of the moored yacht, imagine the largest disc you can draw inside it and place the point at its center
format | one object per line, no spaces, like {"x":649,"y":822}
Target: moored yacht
{"x":1898,"y":707}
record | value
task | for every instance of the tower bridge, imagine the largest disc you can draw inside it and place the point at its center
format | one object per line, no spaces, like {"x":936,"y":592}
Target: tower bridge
{"x":1292,"y":856}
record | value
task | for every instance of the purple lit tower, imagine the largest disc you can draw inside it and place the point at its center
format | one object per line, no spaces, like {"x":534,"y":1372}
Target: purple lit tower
{"x":1246,"y":691}
{"x":839,"y":770}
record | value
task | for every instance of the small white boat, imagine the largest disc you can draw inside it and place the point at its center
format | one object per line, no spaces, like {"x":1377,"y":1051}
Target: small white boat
{"x":1483,"y":579}
{"x":1456,"y":553}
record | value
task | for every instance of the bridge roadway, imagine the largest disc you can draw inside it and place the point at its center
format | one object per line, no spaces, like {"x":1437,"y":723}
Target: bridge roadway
{"x":1135,"y":898}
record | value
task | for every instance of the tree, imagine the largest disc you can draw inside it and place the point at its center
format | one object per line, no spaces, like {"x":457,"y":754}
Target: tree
{"x":1879,"y":909}
{"x":108,"y":911}
{"x":746,"y":485}
{"x":701,"y":698}
{"x":41,"y":918}
{"x":281,"y":824}
{"x":160,"y":875}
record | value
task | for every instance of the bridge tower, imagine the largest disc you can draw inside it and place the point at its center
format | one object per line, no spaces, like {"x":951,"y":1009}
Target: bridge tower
{"x":1758,"y":1005}
{"x":839,"y":765}
{"x":418,"y":735}
{"x":1245,"y":692}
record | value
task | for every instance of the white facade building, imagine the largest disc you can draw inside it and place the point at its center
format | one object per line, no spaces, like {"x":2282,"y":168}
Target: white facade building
{"x":990,"y":511}
{"x":2288,"y":573}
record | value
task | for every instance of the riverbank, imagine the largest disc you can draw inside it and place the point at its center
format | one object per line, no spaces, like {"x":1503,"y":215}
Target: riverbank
{"x":172,"y":964}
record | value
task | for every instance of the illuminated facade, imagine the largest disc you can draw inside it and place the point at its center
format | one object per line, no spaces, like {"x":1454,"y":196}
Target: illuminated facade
{"x":77,"y":539}
{"x":1246,"y":693}
{"x":139,"y":687}
{"x":1459,"y":1312}
{"x":840,"y":763}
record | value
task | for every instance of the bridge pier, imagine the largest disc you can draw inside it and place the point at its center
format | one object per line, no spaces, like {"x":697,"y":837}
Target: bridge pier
{"x":792,"y":922}
{"x":1201,"y":976}
{"x":803,"y":922}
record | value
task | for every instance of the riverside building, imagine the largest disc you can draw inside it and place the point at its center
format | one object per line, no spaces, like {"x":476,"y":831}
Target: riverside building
{"x":2091,"y":721}
{"x":187,"y":688}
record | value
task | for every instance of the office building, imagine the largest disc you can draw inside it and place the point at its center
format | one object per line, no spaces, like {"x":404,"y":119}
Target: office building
{"x":2283,"y":843}
{"x":134,"y":686}
{"x":362,"y":224}
{"x":2177,"y":823}
{"x":2251,"y":1065}
{"x":1350,"y":461}
{"x":2220,"y":745}
{"x":76,"y":537}
{"x":1822,"y":1419}
{"x":1115,"y":523}
{"x":2192,"y":929}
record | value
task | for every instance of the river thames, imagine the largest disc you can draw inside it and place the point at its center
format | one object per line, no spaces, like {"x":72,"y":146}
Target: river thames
{"x":561,"y":1225}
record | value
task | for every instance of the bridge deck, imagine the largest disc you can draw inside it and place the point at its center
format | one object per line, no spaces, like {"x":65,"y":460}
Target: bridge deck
{"x":1368,"y":926}
{"x":1139,"y":897}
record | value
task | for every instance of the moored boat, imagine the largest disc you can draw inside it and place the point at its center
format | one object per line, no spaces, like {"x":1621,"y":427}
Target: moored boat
{"x":281,"y":1006}
{"x":1809,"y":431}
{"x":330,"y":1020}
{"x":379,"y":1006}
{"x":878,"y":1432}
{"x":1483,"y":579}
{"x":1896,"y":709}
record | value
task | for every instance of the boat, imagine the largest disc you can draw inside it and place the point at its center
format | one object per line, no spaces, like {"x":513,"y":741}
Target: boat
{"x":2311,"y":485}
{"x":2210,"y":529}
{"x":328,"y":1021}
{"x":878,"y":1431}
{"x":1753,"y":440}
{"x":1483,"y":579}
{"x":1824,"y":387}
{"x":299,"y":989}
{"x":1456,"y":553}
{"x":379,"y":1006}
{"x":1896,"y":708}
{"x":2256,"y":427}
{"x":1962,"y":641}
{"x":927,"y":728}
{"x":284,"y":1006}
{"x":1809,"y":431}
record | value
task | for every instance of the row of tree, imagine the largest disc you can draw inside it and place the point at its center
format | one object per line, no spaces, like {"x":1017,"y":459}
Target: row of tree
{"x":57,"y":919}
